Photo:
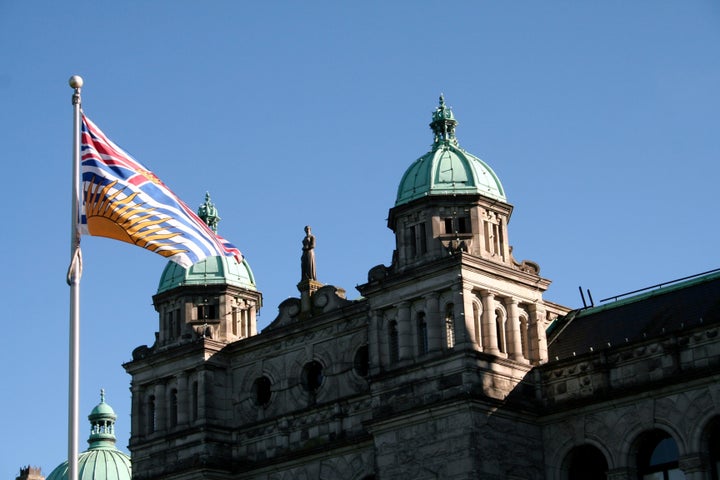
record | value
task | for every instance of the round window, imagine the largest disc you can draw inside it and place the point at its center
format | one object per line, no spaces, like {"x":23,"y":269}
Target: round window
{"x":312,"y":376}
{"x":261,"y":389}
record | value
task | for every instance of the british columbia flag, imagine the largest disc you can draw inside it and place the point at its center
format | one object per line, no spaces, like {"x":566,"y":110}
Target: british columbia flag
{"x":122,"y":199}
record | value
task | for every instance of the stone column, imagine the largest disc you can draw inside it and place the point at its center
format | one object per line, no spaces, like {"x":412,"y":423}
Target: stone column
{"x":503,"y":232}
{"x":165,"y":326}
{"x":490,"y":342}
{"x":405,"y":330}
{"x":434,"y":321}
{"x":694,"y":467}
{"x":537,"y":341}
{"x":137,"y":417}
{"x":252,"y":320}
{"x":460,"y":328}
{"x":514,"y":340}
{"x":182,"y":399}
{"x":201,"y":396}
{"x":160,"y":407}
{"x":466,"y":316}
{"x":376,"y":342}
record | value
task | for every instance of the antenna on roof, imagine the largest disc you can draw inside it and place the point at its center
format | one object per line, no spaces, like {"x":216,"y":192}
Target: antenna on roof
{"x":582,"y":295}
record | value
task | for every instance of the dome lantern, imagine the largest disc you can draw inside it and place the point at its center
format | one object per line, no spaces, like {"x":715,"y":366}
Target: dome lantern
{"x":443,"y":124}
{"x":102,"y":460}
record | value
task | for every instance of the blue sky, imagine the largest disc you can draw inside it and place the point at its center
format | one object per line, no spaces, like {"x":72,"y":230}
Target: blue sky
{"x":600,"y":118}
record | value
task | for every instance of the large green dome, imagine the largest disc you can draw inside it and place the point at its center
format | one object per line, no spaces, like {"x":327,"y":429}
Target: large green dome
{"x":102,"y":460}
{"x":209,"y":271}
{"x":448,"y":169}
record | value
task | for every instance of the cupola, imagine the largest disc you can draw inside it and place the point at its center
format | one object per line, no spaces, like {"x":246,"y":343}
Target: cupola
{"x":102,"y":460}
{"x":447,"y":169}
{"x":214,"y":298}
{"x":448,"y":201}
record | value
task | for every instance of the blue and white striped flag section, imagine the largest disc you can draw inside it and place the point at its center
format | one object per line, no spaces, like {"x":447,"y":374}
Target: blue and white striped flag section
{"x":122,"y":199}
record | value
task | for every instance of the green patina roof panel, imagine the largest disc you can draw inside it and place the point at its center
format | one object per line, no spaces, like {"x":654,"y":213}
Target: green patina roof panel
{"x":210,"y":271}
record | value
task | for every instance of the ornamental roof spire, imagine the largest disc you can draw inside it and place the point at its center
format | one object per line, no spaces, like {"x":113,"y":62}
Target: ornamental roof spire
{"x":443,"y":124}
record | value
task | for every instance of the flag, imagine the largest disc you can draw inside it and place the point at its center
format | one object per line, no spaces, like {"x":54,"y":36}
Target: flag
{"x":122,"y":199}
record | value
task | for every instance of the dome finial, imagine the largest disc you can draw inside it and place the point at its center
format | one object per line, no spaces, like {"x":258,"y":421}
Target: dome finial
{"x":102,"y":395}
{"x":209,"y":213}
{"x":443,"y":124}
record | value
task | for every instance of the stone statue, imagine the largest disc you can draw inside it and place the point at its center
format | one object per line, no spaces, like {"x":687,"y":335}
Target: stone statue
{"x":307,"y":261}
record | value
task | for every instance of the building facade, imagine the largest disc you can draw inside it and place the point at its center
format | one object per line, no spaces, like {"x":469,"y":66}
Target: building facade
{"x":451,"y":365}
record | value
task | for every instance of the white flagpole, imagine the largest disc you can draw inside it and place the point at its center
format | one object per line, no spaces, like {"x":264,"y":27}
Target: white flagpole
{"x":73,"y":279}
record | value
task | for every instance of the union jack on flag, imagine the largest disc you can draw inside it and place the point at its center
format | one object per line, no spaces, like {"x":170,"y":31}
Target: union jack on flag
{"x":122,"y":199}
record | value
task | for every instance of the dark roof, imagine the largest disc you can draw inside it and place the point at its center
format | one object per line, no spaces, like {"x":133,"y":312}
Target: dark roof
{"x":681,"y":305}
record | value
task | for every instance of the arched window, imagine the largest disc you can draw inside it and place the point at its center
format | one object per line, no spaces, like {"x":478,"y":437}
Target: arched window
{"x":361,"y":362}
{"x":178,"y":323}
{"x":173,"y":407}
{"x":393,"y":342}
{"x":500,"y":330}
{"x":195,"y":407}
{"x":450,"y":325}
{"x":262,"y":391}
{"x":657,"y":457}
{"x":152,"y":414}
{"x":524,"y":344}
{"x":585,"y":462}
{"x":170,"y":324}
{"x":422,"y":334}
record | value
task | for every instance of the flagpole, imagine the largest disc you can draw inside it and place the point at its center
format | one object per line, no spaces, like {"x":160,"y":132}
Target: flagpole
{"x":73,"y":279}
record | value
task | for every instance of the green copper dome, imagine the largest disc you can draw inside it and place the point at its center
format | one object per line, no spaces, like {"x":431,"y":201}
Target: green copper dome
{"x":102,"y":460}
{"x":212,"y":270}
{"x":448,"y":169}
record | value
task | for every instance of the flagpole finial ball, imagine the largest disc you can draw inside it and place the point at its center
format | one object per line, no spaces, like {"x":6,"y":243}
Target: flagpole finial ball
{"x":76,"y":81}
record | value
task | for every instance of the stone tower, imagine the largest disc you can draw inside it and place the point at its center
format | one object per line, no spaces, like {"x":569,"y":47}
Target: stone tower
{"x":450,"y":221}
{"x":201,"y":309}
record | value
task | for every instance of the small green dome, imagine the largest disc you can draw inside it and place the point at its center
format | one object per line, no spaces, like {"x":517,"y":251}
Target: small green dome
{"x":102,"y":460}
{"x":210,"y":271}
{"x":220,"y":270}
{"x":102,"y":410}
{"x":448,"y":169}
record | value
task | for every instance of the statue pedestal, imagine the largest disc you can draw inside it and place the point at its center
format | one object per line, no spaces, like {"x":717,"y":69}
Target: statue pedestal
{"x":307,"y":288}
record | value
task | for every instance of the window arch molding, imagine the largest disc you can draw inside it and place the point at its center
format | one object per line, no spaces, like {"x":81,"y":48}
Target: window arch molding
{"x":524,"y":328}
{"x":705,"y":425}
{"x":500,"y":319}
{"x":559,"y":454}
{"x":584,"y":461}
{"x":656,"y":450}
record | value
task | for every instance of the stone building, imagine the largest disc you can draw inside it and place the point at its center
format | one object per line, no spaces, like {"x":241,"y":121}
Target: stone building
{"x":451,"y":365}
